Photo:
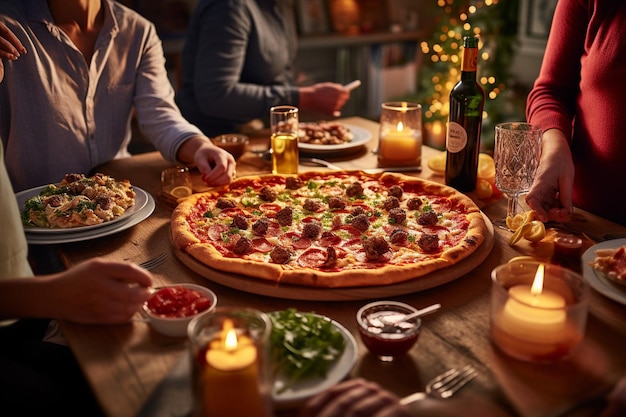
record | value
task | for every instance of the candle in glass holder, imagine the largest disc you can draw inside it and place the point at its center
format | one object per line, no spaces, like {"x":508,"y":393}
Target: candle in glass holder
{"x":538,"y":311}
{"x":400,"y":138}
{"x":229,"y":365}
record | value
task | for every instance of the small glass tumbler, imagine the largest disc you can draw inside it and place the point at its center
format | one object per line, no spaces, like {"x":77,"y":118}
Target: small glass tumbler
{"x":230,"y":363}
{"x":175,"y":183}
{"x":284,"y":140}
{"x":384,"y":340}
{"x":400,"y":138}
{"x":537,"y":322}
{"x":568,"y":250}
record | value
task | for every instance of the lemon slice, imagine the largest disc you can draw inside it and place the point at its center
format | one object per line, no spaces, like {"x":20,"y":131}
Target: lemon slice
{"x":438,"y":163}
{"x":519,"y":233}
{"x":519,"y":220}
{"x":181,"y":191}
{"x":536,"y":232}
{"x":521,"y":259}
{"x":486,"y":166}
{"x":484,"y":189}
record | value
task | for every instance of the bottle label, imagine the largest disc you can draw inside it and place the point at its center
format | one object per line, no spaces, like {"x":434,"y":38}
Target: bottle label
{"x":457,"y":138}
{"x":470,"y":60}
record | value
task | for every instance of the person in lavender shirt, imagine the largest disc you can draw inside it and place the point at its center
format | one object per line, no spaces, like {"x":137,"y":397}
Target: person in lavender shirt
{"x":69,"y":94}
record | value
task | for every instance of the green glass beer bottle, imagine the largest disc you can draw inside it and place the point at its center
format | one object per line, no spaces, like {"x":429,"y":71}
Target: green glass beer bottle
{"x":467,"y":99}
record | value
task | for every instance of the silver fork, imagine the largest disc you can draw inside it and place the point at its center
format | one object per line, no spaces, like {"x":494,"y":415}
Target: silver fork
{"x":444,"y":385}
{"x":158,"y":260}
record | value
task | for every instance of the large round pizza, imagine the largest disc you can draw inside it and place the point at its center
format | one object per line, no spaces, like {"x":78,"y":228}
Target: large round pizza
{"x":329,"y":229}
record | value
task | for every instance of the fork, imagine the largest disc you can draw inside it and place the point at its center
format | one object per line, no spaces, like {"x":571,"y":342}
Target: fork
{"x":444,"y":385}
{"x":152,"y":263}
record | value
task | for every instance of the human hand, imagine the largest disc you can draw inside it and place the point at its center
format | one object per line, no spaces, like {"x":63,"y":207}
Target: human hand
{"x":215,"y":164}
{"x":98,"y":292}
{"x":326,"y":98}
{"x":355,"y":398}
{"x":551,"y":193}
{"x":10,"y":47}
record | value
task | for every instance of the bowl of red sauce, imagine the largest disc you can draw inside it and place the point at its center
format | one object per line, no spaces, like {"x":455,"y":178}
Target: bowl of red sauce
{"x":233,"y":143}
{"x":383,"y":339}
{"x":169,"y":309}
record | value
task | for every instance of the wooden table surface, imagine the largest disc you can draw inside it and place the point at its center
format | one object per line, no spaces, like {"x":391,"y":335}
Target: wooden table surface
{"x":124,"y":364}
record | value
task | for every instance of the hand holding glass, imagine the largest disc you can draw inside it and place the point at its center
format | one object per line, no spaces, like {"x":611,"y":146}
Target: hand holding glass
{"x":516,"y":155}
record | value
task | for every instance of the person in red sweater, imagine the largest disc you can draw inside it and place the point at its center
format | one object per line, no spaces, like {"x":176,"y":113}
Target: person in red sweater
{"x":579,"y":101}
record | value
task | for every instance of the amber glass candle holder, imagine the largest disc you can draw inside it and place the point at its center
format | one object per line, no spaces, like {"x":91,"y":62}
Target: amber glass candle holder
{"x":230,"y":370}
{"x":544,"y":326}
{"x":400,"y":136}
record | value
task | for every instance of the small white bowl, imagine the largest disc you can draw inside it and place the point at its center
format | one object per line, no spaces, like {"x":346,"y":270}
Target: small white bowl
{"x":177,"y":327}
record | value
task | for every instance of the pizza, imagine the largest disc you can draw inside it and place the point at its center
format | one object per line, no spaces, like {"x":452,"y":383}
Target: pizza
{"x":77,"y":201}
{"x":329,"y":229}
{"x":324,"y":133}
{"x":612,"y":263}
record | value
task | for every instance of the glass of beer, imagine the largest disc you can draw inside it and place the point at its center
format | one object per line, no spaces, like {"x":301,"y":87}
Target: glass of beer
{"x":284,"y":124}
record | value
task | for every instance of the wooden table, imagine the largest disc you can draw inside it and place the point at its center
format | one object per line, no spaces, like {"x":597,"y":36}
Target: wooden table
{"x":125,"y":363}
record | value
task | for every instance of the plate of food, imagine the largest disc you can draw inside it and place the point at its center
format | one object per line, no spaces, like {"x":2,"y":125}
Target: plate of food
{"x":320,"y":353}
{"x":328,"y":137}
{"x":95,"y":233}
{"x":604,"y":268}
{"x":79,"y":204}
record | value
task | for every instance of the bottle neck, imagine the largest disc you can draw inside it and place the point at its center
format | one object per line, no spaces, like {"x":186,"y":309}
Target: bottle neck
{"x":470,"y":60}
{"x":468,"y":75}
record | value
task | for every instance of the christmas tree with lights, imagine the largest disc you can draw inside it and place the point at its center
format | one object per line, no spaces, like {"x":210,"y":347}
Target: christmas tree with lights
{"x":494,"y":22}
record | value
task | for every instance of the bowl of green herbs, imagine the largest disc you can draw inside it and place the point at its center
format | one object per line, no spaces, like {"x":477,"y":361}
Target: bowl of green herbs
{"x":310,"y":353}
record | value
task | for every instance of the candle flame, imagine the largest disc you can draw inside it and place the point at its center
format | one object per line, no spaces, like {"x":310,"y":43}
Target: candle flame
{"x":400,"y":127}
{"x":537,"y":287}
{"x":437,"y":128}
{"x":229,"y":335}
{"x":231,"y":340}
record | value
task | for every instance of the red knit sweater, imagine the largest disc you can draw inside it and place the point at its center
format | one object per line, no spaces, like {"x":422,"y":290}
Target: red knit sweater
{"x":581,"y":90}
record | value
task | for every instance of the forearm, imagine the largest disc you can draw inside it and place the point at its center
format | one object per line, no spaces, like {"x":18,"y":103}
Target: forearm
{"x":187,"y":151}
{"x":27,"y":297}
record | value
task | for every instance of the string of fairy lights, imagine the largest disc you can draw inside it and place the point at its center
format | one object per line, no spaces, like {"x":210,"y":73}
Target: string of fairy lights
{"x":444,"y":50}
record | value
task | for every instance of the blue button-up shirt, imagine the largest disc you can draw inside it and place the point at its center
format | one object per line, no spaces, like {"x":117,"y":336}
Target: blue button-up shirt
{"x":61,"y":114}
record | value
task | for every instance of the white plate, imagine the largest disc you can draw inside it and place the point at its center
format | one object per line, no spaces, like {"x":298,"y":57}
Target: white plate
{"x":141,"y":199}
{"x":303,"y":390}
{"x":361,"y":137}
{"x":106,"y":230}
{"x":596,"y":280}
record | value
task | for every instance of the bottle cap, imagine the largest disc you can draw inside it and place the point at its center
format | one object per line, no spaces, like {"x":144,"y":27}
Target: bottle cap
{"x":470,"y":42}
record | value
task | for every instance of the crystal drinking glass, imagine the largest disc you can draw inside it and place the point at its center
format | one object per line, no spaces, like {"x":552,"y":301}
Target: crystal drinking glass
{"x":516,"y":155}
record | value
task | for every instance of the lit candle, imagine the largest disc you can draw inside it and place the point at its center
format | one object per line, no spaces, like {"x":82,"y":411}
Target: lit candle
{"x":230,"y":376}
{"x":399,"y":144}
{"x":533,"y":322}
{"x":400,"y":135}
{"x":534,"y":314}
